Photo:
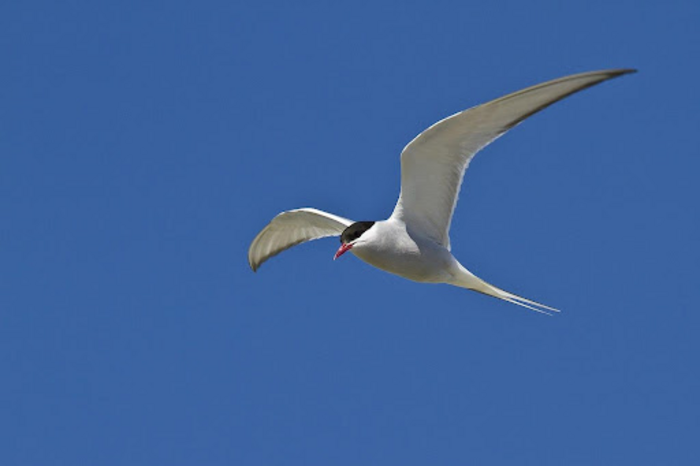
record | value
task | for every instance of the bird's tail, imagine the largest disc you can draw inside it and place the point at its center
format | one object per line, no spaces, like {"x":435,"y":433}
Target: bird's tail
{"x":465,"y":279}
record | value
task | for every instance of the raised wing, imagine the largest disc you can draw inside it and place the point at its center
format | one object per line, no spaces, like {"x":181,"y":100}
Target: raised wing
{"x":433,"y":164}
{"x":291,"y":228}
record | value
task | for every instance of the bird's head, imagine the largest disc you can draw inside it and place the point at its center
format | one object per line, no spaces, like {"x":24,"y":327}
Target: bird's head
{"x":351,"y":237}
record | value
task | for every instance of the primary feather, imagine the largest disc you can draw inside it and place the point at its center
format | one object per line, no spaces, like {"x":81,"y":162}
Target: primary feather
{"x":434,"y":162}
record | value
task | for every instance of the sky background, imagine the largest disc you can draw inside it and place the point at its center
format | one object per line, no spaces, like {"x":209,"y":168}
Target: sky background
{"x":144,"y":144}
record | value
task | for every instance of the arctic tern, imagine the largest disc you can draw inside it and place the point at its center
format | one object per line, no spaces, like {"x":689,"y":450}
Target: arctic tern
{"x":414,"y":241}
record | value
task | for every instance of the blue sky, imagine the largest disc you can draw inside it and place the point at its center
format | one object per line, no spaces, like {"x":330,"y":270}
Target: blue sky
{"x":144,"y":145}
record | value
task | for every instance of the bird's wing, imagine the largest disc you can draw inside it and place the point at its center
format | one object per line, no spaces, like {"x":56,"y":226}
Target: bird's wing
{"x":434,"y":162}
{"x":291,"y":228}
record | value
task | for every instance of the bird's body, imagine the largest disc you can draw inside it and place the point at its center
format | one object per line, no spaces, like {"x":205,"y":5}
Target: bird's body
{"x":392,"y":247}
{"x":414,"y":241}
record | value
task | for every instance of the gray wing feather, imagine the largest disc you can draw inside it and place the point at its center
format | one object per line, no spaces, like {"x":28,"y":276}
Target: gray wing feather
{"x":434,"y":162}
{"x":291,"y":228}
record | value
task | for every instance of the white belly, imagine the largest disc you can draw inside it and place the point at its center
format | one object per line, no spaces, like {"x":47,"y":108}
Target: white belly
{"x":402,"y":255}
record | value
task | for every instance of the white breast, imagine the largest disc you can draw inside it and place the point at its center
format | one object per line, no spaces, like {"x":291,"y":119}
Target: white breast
{"x":395,"y":250}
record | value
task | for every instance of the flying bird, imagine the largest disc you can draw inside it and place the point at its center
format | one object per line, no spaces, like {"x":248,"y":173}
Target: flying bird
{"x":414,"y":241}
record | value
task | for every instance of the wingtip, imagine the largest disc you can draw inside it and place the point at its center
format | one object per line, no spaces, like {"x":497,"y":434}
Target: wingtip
{"x":603,"y":74}
{"x":253,"y":266}
{"x":623,"y":71}
{"x":616,"y":73}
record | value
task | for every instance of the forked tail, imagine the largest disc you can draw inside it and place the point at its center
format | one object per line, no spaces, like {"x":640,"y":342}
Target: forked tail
{"x":465,"y":279}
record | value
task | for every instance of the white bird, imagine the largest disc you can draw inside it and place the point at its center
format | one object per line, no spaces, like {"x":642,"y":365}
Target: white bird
{"x":414,"y":241}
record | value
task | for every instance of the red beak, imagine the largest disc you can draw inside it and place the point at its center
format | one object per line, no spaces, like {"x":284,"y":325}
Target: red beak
{"x":345,"y":247}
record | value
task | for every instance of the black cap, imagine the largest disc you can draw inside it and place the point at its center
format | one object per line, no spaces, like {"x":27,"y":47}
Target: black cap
{"x":354,"y":231}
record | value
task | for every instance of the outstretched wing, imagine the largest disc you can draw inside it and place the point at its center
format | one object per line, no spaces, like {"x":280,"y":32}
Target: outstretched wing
{"x":291,"y":228}
{"x":433,"y":164}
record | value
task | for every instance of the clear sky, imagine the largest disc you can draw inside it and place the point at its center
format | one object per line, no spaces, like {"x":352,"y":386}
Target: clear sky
{"x":144,"y":144}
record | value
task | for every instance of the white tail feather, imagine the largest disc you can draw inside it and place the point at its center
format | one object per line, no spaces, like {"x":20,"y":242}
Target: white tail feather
{"x":465,"y":279}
